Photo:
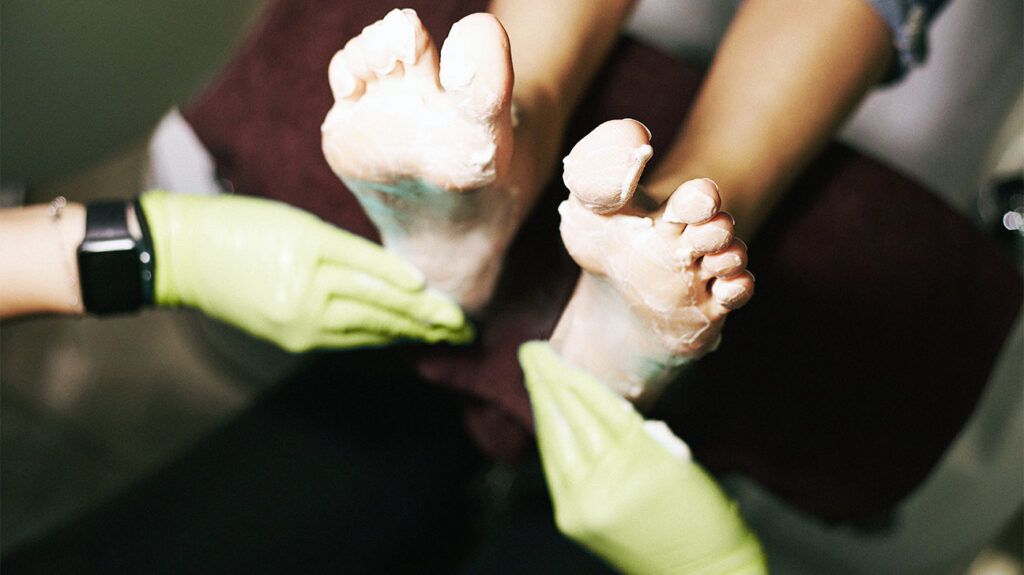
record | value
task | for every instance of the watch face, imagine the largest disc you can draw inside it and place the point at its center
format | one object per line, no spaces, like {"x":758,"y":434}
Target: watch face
{"x":109,"y":279}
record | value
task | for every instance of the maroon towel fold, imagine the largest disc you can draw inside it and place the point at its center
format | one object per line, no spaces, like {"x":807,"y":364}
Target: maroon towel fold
{"x":878,"y":316}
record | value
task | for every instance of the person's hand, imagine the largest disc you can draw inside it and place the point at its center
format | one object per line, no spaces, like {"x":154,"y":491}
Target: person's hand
{"x":638,"y":502}
{"x":284,"y":275}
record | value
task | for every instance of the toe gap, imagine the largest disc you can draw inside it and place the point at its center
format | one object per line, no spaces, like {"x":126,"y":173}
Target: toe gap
{"x":710,"y":284}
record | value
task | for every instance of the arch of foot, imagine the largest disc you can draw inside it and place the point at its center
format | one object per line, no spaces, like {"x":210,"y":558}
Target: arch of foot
{"x":657,"y":284}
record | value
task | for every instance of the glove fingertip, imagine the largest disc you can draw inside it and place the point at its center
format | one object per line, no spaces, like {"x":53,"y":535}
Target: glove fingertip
{"x":532,"y":357}
{"x":532,"y":351}
{"x":454,"y":337}
{"x":465,"y":335}
{"x":411,"y":278}
{"x":443,"y":311}
{"x":402,"y":273}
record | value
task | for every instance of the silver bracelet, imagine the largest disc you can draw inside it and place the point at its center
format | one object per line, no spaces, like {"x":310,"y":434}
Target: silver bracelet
{"x":57,"y":206}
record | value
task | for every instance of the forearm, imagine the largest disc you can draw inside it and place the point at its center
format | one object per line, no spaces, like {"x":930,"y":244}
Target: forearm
{"x":38,"y":267}
{"x":785,"y":77}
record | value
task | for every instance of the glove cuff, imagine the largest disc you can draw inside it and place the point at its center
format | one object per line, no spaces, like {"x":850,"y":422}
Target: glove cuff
{"x":147,"y":262}
{"x":156,"y":209}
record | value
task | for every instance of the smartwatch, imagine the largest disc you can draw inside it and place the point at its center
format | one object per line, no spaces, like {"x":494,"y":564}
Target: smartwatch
{"x":115,"y":266}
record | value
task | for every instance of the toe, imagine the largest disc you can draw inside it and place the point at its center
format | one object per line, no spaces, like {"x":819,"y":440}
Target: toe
{"x":344,"y":84}
{"x":726,"y":263}
{"x":476,"y":65}
{"x":393,"y":42}
{"x":693,"y":202}
{"x":733,"y":292}
{"x":709,"y":237}
{"x":355,"y":61}
{"x":603,"y":168}
{"x":426,"y":63}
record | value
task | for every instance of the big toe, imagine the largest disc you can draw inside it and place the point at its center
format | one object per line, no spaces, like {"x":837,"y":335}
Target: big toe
{"x":603,"y":168}
{"x":476,"y":65}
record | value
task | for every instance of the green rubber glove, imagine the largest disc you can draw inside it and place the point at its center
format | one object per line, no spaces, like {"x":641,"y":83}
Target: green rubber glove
{"x":284,"y":275}
{"x":621,"y":493}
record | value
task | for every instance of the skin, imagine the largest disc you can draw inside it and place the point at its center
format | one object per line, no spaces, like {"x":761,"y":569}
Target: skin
{"x":656,"y":285}
{"x":271,"y":270}
{"x":773,"y":97}
{"x":44,"y":262}
{"x":557,"y":48}
{"x":783,"y":80}
{"x":398,"y":136}
{"x":424,"y":139}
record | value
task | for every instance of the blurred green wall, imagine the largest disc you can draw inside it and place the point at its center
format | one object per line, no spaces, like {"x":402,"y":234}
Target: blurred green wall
{"x":80,"y":79}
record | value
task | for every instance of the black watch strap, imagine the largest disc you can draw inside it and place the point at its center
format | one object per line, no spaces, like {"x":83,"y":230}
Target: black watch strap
{"x":108,"y":261}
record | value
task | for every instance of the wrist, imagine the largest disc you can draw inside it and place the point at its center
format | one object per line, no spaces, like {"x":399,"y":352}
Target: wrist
{"x":37,"y":258}
{"x":69,"y":222}
{"x":64,"y":295}
{"x":115,"y":262}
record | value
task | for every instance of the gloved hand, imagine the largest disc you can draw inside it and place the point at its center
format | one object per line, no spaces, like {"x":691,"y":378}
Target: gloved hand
{"x":641,"y":504}
{"x":284,"y":275}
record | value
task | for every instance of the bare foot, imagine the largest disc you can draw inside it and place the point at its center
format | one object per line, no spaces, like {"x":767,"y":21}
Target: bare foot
{"x":657,"y":283}
{"x":425,"y":143}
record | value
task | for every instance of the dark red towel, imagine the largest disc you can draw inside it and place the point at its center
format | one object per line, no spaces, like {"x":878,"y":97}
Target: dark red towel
{"x":878,"y":316}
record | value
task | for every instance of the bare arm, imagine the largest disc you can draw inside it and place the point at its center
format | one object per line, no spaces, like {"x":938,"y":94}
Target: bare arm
{"x":38,"y":268}
{"x":785,"y":77}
